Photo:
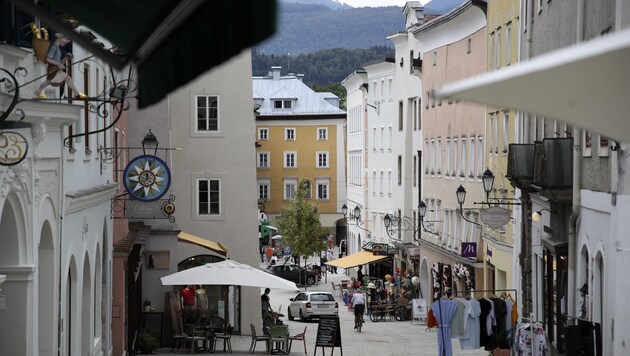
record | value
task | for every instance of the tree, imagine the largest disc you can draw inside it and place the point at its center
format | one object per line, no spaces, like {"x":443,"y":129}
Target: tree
{"x":300,"y":225}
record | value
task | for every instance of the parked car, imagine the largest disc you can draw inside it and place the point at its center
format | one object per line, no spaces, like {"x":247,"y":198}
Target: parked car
{"x":293,"y":273}
{"x":312,"y":304}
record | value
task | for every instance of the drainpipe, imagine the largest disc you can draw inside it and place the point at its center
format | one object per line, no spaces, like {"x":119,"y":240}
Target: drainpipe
{"x":577,"y":185}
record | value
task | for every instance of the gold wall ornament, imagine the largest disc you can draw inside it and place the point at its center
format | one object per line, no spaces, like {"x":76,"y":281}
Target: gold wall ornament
{"x":13,"y":148}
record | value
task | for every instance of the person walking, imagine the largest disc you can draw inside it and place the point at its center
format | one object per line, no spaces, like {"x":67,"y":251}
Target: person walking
{"x":330,"y":255}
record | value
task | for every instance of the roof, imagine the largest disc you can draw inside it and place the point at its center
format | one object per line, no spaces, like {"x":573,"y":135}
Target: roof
{"x":291,"y":87}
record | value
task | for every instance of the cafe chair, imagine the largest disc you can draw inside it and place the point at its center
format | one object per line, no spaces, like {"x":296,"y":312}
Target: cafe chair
{"x":226,"y":337}
{"x":299,"y":337}
{"x":256,"y":338}
{"x":193,"y":337}
{"x":279,"y":337}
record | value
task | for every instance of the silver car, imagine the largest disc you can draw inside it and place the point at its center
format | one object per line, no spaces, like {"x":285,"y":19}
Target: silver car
{"x":312,"y":304}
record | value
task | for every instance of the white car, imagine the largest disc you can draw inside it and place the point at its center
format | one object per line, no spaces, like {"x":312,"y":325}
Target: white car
{"x":312,"y":304}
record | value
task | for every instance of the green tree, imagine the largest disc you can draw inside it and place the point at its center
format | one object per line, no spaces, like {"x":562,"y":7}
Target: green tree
{"x":300,"y":225}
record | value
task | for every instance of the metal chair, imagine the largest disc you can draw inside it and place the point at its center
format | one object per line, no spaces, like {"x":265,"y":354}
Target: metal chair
{"x":279,"y":336}
{"x":193,"y":337}
{"x":256,"y":338}
{"x":226,"y":337}
{"x":299,"y":337}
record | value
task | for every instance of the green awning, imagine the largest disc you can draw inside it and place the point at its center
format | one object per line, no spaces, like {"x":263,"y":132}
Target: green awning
{"x":170,"y":41}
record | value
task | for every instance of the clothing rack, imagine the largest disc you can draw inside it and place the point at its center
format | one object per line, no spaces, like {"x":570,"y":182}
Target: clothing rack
{"x":472,"y":291}
{"x":487,"y":291}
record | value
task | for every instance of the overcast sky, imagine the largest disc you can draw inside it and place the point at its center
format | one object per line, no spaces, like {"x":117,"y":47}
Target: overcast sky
{"x":376,"y":3}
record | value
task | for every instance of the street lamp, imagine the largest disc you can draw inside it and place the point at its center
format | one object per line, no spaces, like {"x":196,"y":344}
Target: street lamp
{"x":536,"y":215}
{"x":461,"y":198}
{"x":354,"y":218}
{"x":422,"y":212}
{"x":150,"y":143}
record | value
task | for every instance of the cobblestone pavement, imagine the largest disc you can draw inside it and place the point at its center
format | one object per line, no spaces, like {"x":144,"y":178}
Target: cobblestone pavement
{"x":384,"y":338}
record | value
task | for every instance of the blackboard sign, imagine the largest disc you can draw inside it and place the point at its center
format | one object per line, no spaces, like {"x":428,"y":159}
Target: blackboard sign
{"x":328,"y":333}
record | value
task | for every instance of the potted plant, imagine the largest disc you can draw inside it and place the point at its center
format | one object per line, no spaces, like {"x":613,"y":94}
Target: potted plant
{"x":147,"y":342}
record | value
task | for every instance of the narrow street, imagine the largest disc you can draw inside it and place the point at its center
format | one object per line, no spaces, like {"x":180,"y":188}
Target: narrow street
{"x":387,"y":337}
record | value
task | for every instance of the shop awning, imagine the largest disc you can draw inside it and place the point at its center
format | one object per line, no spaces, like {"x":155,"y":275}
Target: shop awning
{"x":170,"y":41}
{"x":586,"y":84}
{"x":356,"y":259}
{"x":217,"y":247}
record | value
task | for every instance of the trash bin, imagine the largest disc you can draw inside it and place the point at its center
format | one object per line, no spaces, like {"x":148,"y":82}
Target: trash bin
{"x":579,"y":340}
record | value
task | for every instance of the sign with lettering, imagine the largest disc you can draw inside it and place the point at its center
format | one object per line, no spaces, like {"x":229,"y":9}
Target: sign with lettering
{"x":495,"y":216}
{"x":469,"y":249}
{"x":419,"y":308}
{"x":328,"y":333}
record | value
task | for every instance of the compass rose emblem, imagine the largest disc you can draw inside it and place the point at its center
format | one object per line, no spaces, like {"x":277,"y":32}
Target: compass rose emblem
{"x":147,"y":178}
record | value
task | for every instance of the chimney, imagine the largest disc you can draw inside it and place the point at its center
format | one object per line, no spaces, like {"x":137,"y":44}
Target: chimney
{"x":275,"y":72}
{"x":300,"y":77}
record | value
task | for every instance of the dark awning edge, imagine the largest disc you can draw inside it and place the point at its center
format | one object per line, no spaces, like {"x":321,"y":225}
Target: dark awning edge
{"x":207,"y":37}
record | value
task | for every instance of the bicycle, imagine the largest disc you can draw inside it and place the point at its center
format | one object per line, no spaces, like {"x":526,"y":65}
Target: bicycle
{"x":359,"y":309}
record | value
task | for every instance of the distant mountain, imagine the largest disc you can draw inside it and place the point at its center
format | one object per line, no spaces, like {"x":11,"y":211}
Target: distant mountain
{"x":306,"y":26}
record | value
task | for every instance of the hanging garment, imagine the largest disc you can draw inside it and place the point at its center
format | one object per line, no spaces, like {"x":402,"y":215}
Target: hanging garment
{"x":474,"y":330}
{"x":444,"y":310}
{"x":457,"y":324}
{"x":431,"y":321}
{"x":500,"y":313}
{"x":485,"y":322}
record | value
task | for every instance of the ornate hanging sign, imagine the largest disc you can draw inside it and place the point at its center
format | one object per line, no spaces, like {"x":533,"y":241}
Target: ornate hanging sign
{"x":13,"y":148}
{"x":495,"y":216}
{"x":146,"y":178}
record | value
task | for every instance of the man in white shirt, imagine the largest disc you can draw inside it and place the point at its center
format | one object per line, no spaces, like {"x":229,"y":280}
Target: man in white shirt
{"x":358,"y":301}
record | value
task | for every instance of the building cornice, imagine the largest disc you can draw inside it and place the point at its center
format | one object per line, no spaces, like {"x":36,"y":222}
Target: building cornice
{"x":83,"y":199}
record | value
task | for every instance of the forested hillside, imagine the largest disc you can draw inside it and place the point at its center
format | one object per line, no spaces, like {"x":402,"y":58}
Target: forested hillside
{"x":322,"y":67}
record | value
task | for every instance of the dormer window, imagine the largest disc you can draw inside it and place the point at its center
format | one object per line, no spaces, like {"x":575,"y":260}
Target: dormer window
{"x":282,"y":104}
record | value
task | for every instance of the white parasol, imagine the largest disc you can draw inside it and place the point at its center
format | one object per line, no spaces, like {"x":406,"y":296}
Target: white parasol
{"x":228,"y":273}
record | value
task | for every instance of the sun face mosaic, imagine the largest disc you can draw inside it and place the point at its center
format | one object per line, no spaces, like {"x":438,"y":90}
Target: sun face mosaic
{"x":147,"y":178}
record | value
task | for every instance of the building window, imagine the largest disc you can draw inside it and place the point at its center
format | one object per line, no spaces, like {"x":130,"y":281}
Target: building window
{"x":390,"y":138}
{"x":480,"y":150}
{"x":454,"y":168}
{"x":400,"y":115}
{"x":208,"y":193}
{"x":400,"y":167}
{"x":498,"y":49}
{"x":263,"y":190}
{"x":426,"y":149}
{"x":438,"y":151}
{"x":373,"y":182}
{"x":492,"y":50}
{"x":381,"y":183}
{"x":289,"y":134}
{"x":472,"y":163}
{"x":309,"y":189}
{"x":322,"y":189}
{"x":603,"y":146}
{"x":290,"y":160}
{"x":506,"y":125}
{"x":462,"y":165}
{"x":508,"y":43}
{"x":322,"y":159}
{"x":414,"y":174}
{"x":282,"y":104}
{"x":469,"y":45}
{"x":207,"y":113}
{"x":432,"y":156}
{"x":448,"y":157}
{"x":263,"y":134}
{"x":290,"y":186}
{"x":263,"y":159}
{"x":434,"y":58}
{"x":322,"y":134}
{"x":374,"y":138}
{"x":389,"y":183}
